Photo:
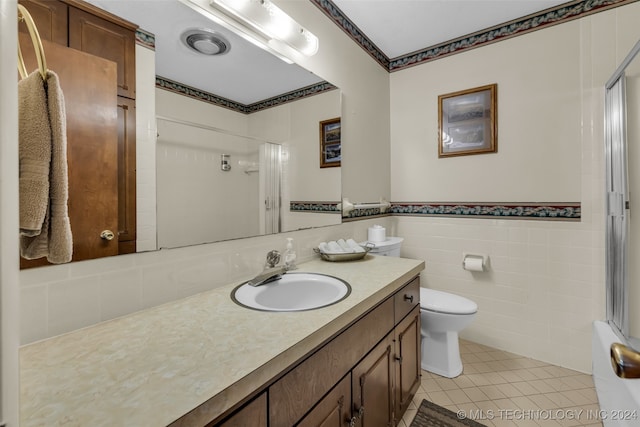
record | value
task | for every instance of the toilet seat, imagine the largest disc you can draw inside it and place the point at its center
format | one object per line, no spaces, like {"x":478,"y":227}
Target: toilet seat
{"x":444,"y":302}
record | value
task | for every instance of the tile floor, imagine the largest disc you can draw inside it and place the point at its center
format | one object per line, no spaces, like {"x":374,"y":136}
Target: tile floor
{"x":498,"y":388}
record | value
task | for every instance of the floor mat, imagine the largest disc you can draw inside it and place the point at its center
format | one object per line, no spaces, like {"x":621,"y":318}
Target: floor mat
{"x":431,"y":415}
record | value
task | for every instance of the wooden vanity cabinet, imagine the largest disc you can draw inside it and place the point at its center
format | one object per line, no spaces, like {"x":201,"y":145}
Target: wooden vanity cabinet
{"x":407,"y":373}
{"x":372,"y":386}
{"x":253,"y":414}
{"x":333,"y":410}
{"x":364,"y":376}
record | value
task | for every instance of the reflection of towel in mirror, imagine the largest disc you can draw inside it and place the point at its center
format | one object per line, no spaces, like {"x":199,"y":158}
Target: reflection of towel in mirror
{"x":44,"y":220}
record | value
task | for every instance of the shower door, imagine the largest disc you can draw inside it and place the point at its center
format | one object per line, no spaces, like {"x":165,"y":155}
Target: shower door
{"x":622,"y":142}
{"x":270,"y":183}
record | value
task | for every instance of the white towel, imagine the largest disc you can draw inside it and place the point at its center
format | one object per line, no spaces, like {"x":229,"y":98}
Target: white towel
{"x":356,"y":247}
{"x":334,"y":247}
{"x":44,"y":219}
{"x":344,"y":246}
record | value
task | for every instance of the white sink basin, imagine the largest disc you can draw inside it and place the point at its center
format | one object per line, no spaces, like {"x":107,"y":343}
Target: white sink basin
{"x":293,"y":292}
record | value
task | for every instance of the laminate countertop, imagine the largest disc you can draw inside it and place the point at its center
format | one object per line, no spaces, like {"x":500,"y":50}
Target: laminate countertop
{"x":198,"y":356}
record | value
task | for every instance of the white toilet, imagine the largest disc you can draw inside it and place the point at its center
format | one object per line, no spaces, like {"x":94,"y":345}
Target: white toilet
{"x":443,"y":315}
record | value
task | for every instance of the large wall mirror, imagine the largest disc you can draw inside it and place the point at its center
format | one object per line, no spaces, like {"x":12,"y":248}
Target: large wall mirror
{"x":247,"y":168}
{"x":622,"y":121}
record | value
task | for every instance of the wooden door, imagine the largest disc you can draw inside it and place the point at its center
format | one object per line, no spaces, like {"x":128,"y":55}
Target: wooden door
{"x":333,"y":410}
{"x":372,"y":386}
{"x":407,"y":337}
{"x":90,"y":93}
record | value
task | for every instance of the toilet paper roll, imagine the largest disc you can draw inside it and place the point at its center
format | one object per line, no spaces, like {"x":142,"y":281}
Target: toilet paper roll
{"x":473,"y":263}
{"x":377,"y":233}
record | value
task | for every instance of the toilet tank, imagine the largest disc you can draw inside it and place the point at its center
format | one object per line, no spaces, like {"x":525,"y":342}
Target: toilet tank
{"x":389,"y":247}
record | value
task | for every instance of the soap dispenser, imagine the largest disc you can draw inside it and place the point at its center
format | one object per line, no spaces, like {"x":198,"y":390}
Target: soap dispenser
{"x":290,"y":255}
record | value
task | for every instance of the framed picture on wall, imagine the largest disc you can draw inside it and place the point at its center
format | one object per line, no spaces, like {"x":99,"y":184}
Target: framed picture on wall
{"x":467,"y":122}
{"x":330,"y":143}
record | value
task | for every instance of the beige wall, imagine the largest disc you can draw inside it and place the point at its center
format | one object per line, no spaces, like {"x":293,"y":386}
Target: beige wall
{"x":365,"y":103}
{"x":546,"y":280}
{"x":538,"y":158}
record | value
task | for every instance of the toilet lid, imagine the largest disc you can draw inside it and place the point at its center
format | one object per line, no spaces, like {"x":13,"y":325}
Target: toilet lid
{"x":444,"y":302}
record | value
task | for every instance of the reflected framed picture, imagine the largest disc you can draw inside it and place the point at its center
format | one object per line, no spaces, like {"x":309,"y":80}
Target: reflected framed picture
{"x":330,"y":143}
{"x":467,"y":122}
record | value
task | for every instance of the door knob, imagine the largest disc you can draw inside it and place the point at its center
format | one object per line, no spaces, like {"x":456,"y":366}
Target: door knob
{"x":107,"y":235}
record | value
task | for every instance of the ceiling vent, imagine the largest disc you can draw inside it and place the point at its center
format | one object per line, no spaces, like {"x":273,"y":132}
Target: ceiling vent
{"x":206,"y":42}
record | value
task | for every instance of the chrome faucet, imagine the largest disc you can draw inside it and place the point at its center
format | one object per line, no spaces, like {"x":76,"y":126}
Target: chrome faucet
{"x":270,"y":273}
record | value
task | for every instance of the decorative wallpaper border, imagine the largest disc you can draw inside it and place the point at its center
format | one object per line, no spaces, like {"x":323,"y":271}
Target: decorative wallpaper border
{"x":539,"y":211}
{"x":146,"y":39}
{"x":365,"y":214}
{"x":200,"y":95}
{"x":315,"y":207}
{"x":533,"y":211}
{"x":304,"y":92}
{"x":548,"y":17}
{"x":340,"y":19}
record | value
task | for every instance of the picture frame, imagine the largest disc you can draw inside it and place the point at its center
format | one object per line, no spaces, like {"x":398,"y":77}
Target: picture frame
{"x":467,"y":122}
{"x":330,"y":143}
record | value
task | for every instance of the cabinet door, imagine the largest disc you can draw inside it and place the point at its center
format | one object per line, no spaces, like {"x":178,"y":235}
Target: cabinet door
{"x":372,"y":386}
{"x":407,"y":337}
{"x":333,"y":410}
{"x":126,"y":175}
{"x":252,"y":415}
{"x":97,"y":36}
{"x":50,"y":16}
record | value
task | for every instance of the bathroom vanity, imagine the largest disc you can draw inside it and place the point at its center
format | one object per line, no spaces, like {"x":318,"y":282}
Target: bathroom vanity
{"x":205,"y":360}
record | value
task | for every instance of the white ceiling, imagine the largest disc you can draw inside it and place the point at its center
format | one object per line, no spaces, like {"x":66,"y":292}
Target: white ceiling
{"x":247,"y":74}
{"x":400,"y":27}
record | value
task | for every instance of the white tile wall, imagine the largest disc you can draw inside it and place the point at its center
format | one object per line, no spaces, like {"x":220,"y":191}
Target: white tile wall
{"x":537,"y":296}
{"x":62,"y":298}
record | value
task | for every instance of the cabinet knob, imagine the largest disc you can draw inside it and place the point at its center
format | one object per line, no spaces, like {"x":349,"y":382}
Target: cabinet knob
{"x":352,"y":421}
{"x":408,"y":298}
{"x":107,"y":235}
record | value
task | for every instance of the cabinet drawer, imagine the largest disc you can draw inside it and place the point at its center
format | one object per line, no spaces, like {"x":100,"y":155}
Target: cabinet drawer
{"x":295,"y":393}
{"x":407,"y":298}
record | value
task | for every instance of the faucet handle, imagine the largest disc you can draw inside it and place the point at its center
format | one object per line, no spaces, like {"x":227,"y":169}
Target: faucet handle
{"x":273,"y":258}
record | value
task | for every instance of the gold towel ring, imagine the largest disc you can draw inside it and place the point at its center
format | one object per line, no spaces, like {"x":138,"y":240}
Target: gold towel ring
{"x":23,"y":15}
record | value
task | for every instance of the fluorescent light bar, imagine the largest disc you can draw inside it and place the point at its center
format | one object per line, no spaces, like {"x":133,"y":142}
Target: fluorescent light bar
{"x":203,"y":8}
{"x":270,"y":21}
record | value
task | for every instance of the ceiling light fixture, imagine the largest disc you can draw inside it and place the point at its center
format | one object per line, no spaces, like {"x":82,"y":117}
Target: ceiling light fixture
{"x":205,"y":41}
{"x":262,"y":23}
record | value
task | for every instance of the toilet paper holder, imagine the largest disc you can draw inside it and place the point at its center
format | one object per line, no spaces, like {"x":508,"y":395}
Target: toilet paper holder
{"x":470,"y":262}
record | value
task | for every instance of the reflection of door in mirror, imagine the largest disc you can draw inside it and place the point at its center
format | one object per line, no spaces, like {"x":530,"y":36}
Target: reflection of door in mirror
{"x":85,"y":28}
{"x":88,"y":82}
